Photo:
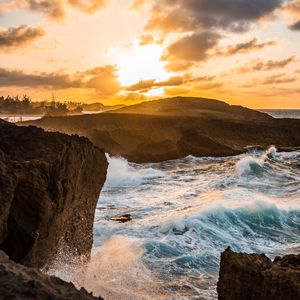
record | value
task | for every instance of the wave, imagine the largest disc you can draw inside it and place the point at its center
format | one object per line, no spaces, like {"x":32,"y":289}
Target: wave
{"x":123,"y":174}
{"x":251,"y":165}
{"x":195,"y":241}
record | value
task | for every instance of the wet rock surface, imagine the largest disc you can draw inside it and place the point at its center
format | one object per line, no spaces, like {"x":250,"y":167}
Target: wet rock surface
{"x":49,"y":188}
{"x":255,"y":277}
{"x":24,"y":283}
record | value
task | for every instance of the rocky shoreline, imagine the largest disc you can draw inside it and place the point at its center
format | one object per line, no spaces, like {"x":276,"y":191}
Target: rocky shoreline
{"x":255,"y":277}
{"x":173,"y":128}
{"x":50,"y":183}
{"x":49,"y":188}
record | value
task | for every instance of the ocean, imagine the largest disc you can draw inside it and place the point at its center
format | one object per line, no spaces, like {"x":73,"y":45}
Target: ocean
{"x":184,"y":213}
{"x":283,"y":113}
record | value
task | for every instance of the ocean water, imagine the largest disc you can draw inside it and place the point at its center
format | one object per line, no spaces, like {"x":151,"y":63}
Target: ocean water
{"x":283,"y":113}
{"x":184,"y":213}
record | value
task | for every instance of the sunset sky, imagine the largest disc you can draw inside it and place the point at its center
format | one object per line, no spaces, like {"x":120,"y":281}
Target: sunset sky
{"x":123,"y":51}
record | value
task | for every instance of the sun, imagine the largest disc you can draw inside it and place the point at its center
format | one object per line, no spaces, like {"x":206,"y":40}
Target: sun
{"x":136,"y":63}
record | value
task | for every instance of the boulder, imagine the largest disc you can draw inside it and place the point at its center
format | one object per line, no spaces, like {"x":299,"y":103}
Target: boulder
{"x":255,"y":277}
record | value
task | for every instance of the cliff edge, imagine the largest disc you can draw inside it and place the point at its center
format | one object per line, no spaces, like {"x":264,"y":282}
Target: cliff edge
{"x":49,"y":188}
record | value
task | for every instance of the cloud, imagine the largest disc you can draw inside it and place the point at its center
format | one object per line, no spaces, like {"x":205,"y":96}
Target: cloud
{"x":146,"y":85}
{"x":295,"y":26}
{"x":54,"y":9}
{"x":185,"y":15}
{"x":177,"y":66}
{"x":47,"y":80}
{"x":271,"y":80}
{"x":259,"y":65}
{"x":193,"y":47}
{"x":102,"y":79}
{"x":293,"y":8}
{"x":88,"y":6}
{"x":20,"y":36}
{"x":245,"y":47}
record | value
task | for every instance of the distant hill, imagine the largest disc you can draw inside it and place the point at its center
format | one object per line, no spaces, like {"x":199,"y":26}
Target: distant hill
{"x":192,"y":107}
{"x":176,"y":127}
{"x":97,"y":106}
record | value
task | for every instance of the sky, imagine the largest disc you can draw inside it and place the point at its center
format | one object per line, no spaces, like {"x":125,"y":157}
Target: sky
{"x":244,"y":52}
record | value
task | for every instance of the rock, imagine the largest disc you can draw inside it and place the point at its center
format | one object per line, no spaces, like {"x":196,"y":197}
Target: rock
{"x":255,"y":277}
{"x":18,"y":282}
{"x":173,"y":128}
{"x":121,"y":218}
{"x":49,"y":188}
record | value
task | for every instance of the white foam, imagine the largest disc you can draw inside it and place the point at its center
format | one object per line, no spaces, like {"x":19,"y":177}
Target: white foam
{"x":116,"y":271}
{"x":122,"y":174}
{"x":271,"y":152}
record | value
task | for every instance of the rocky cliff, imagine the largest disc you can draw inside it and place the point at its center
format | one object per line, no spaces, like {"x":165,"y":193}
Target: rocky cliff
{"x":255,"y":277}
{"x":49,"y":187}
{"x":173,"y":128}
{"x":18,"y":282}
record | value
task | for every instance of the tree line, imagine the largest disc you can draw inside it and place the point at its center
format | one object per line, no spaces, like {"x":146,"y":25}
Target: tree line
{"x":25,"y":105}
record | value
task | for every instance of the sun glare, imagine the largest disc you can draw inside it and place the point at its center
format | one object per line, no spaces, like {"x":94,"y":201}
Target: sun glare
{"x":140,"y":63}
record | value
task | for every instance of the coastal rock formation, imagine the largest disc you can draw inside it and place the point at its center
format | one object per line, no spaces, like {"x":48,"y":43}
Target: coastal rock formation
{"x":255,"y":277}
{"x":173,"y":128}
{"x":49,"y":187}
{"x":20,"y":282}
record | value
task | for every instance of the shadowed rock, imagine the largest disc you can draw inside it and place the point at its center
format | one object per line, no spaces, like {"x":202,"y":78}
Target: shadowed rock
{"x":49,"y":187}
{"x":176,"y":127}
{"x":121,"y":218}
{"x":255,"y":277}
{"x":20,"y":282}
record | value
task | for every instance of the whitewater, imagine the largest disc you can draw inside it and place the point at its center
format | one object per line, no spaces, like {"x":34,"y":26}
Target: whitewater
{"x":184,"y":213}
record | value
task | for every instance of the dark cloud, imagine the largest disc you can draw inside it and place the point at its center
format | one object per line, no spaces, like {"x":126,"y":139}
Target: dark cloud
{"x":295,"y":26}
{"x":46,"y":80}
{"x":245,"y":47}
{"x":184,"y":15}
{"x":19,"y":36}
{"x":259,"y":65}
{"x":101,"y":79}
{"x":193,"y":47}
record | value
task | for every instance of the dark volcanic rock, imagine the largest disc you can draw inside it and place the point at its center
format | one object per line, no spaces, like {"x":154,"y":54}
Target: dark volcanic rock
{"x":124,"y":218}
{"x":18,"y":282}
{"x":255,"y":277}
{"x":173,"y":128}
{"x":49,"y":187}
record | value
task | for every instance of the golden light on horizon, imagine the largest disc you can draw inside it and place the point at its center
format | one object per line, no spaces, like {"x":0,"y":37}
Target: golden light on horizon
{"x":138,"y":63}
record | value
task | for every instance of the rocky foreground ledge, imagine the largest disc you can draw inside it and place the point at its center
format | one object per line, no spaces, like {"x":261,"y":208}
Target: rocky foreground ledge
{"x":49,"y":188}
{"x":20,"y":282}
{"x":255,"y":277}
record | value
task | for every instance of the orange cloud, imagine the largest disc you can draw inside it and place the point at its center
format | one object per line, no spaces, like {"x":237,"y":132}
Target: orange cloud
{"x":102,"y":80}
{"x":55,"y":9}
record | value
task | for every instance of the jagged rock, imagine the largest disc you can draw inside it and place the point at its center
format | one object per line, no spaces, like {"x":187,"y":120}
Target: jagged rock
{"x":49,"y":187}
{"x":255,"y":277}
{"x":18,"y":282}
